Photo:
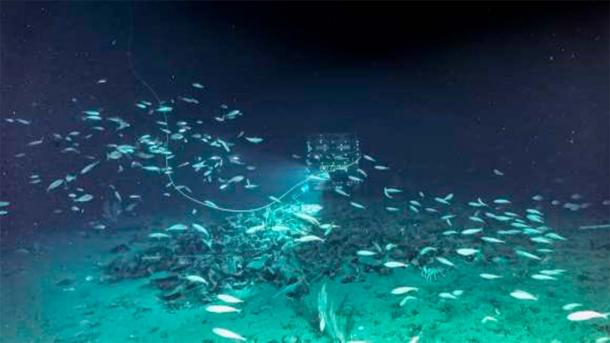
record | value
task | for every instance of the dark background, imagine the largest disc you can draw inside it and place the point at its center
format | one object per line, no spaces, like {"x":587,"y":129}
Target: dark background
{"x":442,"y":92}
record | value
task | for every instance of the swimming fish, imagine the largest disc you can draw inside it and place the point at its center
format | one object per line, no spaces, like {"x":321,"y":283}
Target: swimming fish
{"x":254,"y":140}
{"x":394,"y":264}
{"x":522,"y":295}
{"x":488,"y":319}
{"x":309,"y":238}
{"x":369,"y":158}
{"x":570,"y":306}
{"x":84,"y":198}
{"x":445,"y":261}
{"x":389,"y":191}
{"x":340,"y":191}
{"x":403,"y":290}
{"x":159,"y":235}
{"x":196,"y":279}
{"x":586,"y":315}
{"x":543,"y":277}
{"x":527,"y":254}
{"x":357,"y":205}
{"x":55,"y":184}
{"x":222,"y":309}
{"x":200,"y":228}
{"x":365,"y":253}
{"x":306,"y":217}
{"x":229,"y":299}
{"x":492,"y":240}
{"x":467,"y":251}
{"x":228,"y":334}
{"x":88,"y":167}
{"x":177,"y":227}
{"x":489,"y":276}
{"x":254,"y":229}
{"x":471,"y":231}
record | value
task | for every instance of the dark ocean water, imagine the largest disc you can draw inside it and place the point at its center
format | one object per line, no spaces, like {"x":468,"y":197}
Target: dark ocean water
{"x":448,"y":96}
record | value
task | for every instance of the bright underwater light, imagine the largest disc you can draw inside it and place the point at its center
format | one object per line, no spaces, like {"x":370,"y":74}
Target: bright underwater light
{"x":334,"y":155}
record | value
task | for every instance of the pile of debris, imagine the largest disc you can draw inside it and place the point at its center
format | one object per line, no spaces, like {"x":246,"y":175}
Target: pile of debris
{"x":191,"y":266}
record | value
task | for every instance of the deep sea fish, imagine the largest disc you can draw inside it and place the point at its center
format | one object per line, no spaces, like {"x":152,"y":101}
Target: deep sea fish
{"x":445,"y":261}
{"x":587,"y":315}
{"x":196,"y":279}
{"x":555,"y":236}
{"x":488,"y":319}
{"x":159,"y":235}
{"x":403,"y":290}
{"x":254,"y":229}
{"x":388,"y":191}
{"x":447,"y":295}
{"x":552,"y":271}
{"x":570,"y":306}
{"x":541,"y":239}
{"x":355,"y":178}
{"x":340,"y":191}
{"x":357,"y":205}
{"x":84,"y":198}
{"x":88,"y":167}
{"x":164,"y":109}
{"x":177,"y":227}
{"x":476,"y":219}
{"x":229,"y":299}
{"x":362,"y":172}
{"x":55,"y":184}
{"x":405,"y":299}
{"x":309,"y":238}
{"x":426,"y":250}
{"x":526,"y":254}
{"x":415,"y":203}
{"x":38,"y":142}
{"x":369,"y":158}
{"x":306,"y":217}
{"x":467,"y":251}
{"x":492,"y":240}
{"x":471,"y":231}
{"x":221,"y":309}
{"x":200,"y":228}
{"x":228,"y":334}
{"x":522,"y":295}
{"x":254,"y":140}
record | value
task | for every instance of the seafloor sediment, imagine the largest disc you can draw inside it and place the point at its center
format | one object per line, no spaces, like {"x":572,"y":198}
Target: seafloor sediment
{"x":67,"y":287}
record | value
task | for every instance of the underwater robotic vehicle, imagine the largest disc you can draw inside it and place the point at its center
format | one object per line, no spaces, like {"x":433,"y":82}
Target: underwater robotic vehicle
{"x":336,"y":154}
